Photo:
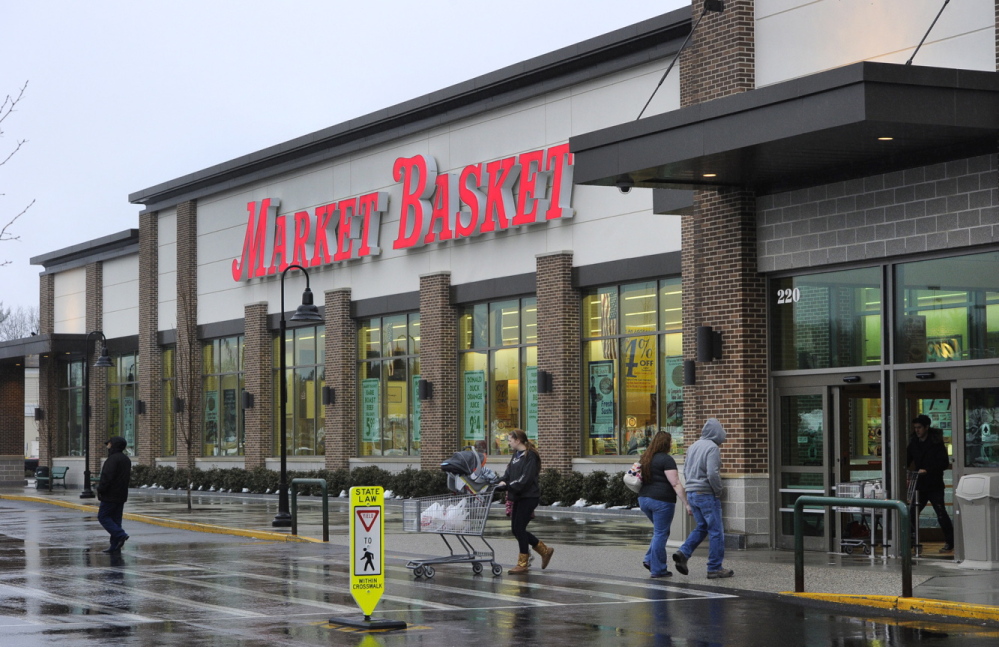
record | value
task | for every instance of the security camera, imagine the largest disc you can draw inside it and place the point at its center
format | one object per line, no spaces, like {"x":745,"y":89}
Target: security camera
{"x":625,"y":185}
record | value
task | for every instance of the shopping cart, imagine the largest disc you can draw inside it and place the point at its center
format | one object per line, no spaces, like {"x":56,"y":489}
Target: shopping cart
{"x":912,"y":498}
{"x":862,"y":536}
{"x":461,"y":515}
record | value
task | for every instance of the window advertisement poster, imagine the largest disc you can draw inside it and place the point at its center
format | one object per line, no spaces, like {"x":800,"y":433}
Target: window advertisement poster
{"x":640,"y":364}
{"x":211,"y":417}
{"x":602,"y":399}
{"x":475,"y":405}
{"x":674,"y":379}
{"x":370,"y":410}
{"x":532,"y":403}
{"x":414,"y":396}
{"x":229,"y":416}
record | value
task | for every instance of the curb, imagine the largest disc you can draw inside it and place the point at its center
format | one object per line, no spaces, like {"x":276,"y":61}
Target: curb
{"x":171,"y":523}
{"x":962,"y":610}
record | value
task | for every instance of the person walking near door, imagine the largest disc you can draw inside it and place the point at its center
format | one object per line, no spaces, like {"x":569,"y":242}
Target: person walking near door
{"x":927,"y":455}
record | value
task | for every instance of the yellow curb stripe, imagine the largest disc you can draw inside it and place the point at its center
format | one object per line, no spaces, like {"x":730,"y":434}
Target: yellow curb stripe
{"x":171,"y":523}
{"x":911,"y":605}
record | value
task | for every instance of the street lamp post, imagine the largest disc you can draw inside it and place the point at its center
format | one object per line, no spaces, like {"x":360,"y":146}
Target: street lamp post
{"x":305,"y":312}
{"x":102,"y":362}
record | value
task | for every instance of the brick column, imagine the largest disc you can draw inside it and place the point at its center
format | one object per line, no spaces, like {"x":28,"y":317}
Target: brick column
{"x":150,"y":429}
{"x":47,"y":373}
{"x":258,"y":351}
{"x":11,"y":424}
{"x":721,"y":57}
{"x":439,"y":366}
{"x":189,"y":385}
{"x":559,"y":345}
{"x":341,"y":376}
{"x":98,"y":376}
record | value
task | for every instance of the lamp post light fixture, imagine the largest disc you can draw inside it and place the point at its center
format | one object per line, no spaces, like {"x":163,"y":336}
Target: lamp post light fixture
{"x":102,"y":362}
{"x":305,"y":312}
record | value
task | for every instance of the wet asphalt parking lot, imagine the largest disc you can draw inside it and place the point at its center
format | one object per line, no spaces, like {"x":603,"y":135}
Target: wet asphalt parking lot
{"x":175,"y":587}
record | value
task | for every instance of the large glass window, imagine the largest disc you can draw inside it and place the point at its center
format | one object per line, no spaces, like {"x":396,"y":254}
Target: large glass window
{"x":69,"y":439}
{"x":389,"y":373}
{"x":169,"y":446}
{"x":223,"y":431}
{"x":948,"y":309}
{"x":498,"y":346}
{"x":632,"y":366}
{"x":981,"y":427}
{"x":826,"y":320}
{"x":123,"y":388}
{"x":305,"y":375}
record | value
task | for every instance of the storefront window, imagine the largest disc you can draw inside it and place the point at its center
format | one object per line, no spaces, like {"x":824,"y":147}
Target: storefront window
{"x":123,"y":388}
{"x":305,"y":375}
{"x":948,"y":309}
{"x":981,"y":427}
{"x":633,"y":366}
{"x":389,"y":373}
{"x":222,"y":369}
{"x":499,"y":372}
{"x":169,"y":447}
{"x":826,"y":320}
{"x":70,"y":437}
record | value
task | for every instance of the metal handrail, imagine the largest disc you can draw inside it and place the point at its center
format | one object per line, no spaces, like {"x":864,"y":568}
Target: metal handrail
{"x":326,"y":505}
{"x":902,"y":530}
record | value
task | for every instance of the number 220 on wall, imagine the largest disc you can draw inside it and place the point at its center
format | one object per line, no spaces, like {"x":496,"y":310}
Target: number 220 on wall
{"x":788,"y":296}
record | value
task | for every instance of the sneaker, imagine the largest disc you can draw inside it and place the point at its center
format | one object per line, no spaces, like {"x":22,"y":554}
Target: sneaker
{"x":647,"y":566}
{"x":665,"y":574}
{"x":723,"y":573}
{"x":947,"y":548}
{"x":681,"y":562}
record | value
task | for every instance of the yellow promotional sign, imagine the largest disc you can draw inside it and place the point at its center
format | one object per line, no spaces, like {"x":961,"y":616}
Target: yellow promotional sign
{"x":367,"y":557}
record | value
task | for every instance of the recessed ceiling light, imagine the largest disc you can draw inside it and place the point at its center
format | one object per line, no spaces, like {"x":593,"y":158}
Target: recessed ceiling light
{"x":885,"y":139}
{"x":710,"y":175}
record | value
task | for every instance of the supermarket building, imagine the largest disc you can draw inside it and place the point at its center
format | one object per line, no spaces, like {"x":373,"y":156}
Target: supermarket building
{"x":518,"y":251}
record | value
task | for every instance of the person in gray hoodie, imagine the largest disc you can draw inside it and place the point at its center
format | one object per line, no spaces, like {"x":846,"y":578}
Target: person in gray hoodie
{"x":702,"y":473}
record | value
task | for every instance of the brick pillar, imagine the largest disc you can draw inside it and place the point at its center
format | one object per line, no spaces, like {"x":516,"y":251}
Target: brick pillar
{"x":47,"y":373}
{"x":721,"y":57}
{"x":259,"y":382}
{"x":98,"y":376}
{"x":439,"y":366}
{"x":559,"y":344}
{"x":341,"y":376}
{"x":150,"y":429}
{"x":189,"y":385}
{"x":46,"y":304}
{"x":11,"y":424}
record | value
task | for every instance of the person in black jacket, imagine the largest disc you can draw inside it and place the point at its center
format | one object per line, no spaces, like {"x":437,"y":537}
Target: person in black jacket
{"x":521,"y":481}
{"x":112,"y":490}
{"x":927,"y":455}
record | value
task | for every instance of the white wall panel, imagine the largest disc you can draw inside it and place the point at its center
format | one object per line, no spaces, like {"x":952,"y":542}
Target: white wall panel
{"x":70,"y":289}
{"x":795,"y":38}
{"x":167,"y":269}
{"x":629,"y":236}
{"x":121,"y":296}
{"x":504,"y":136}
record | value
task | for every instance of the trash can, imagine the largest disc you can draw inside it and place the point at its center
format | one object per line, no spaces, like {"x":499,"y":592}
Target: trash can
{"x":977,"y":497}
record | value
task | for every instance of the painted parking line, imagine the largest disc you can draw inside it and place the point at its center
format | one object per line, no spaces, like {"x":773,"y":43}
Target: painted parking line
{"x":102,"y":612}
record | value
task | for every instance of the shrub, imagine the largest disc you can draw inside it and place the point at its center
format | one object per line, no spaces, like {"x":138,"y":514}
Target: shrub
{"x":571,"y":488}
{"x":370,"y":476}
{"x":550,"y":483}
{"x":618,"y":493}
{"x":411,"y":483}
{"x":595,"y":487}
{"x":140,"y":475}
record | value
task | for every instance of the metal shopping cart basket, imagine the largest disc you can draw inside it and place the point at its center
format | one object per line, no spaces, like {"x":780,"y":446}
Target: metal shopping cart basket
{"x":863,"y":536}
{"x":461,"y":515}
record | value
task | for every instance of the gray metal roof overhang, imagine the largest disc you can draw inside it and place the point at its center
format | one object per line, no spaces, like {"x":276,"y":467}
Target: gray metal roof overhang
{"x":69,"y":345}
{"x":813,"y":130}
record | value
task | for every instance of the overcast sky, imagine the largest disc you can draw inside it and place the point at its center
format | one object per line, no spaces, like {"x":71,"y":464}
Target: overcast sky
{"x":124,"y":95}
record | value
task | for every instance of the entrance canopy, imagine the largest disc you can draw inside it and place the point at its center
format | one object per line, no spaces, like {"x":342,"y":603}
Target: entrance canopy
{"x":853,"y":121}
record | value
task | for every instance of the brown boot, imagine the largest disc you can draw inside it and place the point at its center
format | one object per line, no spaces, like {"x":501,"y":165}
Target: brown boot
{"x":546,"y":553}
{"x":523,"y":564}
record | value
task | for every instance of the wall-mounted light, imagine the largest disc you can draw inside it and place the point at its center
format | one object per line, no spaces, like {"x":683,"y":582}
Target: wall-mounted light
{"x":178,"y":405}
{"x":709,"y":344}
{"x":140,"y":407}
{"x":425,"y":389}
{"x":329,"y":396}
{"x":247,"y":400}
{"x":39,"y":415}
{"x":689,"y":372}
{"x":545,"y":382}
{"x":851,"y":379}
{"x":925,"y":376}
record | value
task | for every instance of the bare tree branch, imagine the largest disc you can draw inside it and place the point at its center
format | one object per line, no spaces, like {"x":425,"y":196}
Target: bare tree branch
{"x":6,"y":109}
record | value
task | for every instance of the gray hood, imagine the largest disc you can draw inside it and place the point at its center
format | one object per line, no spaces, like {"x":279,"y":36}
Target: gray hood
{"x":713,"y":431}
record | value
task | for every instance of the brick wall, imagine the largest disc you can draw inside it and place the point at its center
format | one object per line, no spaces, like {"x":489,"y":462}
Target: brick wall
{"x":11,"y":424}
{"x":150,"y":428}
{"x":259,"y":381}
{"x":559,"y":343}
{"x":189,"y":385}
{"x":439,"y":365}
{"x":98,"y":376}
{"x":341,"y":376}
{"x":721,"y":57}
{"x":47,"y":393}
{"x":722,"y":289}
{"x":941,"y":206}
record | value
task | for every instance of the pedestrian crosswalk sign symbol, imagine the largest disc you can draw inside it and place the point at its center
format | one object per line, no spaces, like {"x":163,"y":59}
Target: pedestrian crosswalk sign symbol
{"x":367,"y":559}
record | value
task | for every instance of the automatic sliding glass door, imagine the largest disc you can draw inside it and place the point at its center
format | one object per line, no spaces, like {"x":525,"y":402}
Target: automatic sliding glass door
{"x":802,"y":464}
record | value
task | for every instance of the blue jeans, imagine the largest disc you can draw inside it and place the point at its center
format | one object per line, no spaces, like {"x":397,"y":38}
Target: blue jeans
{"x":707,"y":511}
{"x":109,"y":515}
{"x":660,"y":513}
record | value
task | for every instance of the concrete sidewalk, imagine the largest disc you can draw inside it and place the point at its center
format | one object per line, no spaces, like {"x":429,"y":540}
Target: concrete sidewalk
{"x":610,"y":543}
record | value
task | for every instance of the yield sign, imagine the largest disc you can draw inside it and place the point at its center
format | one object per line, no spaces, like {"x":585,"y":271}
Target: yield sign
{"x":368,"y":517}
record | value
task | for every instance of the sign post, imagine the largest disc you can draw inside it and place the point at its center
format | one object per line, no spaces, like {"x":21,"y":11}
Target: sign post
{"x":367,"y":557}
